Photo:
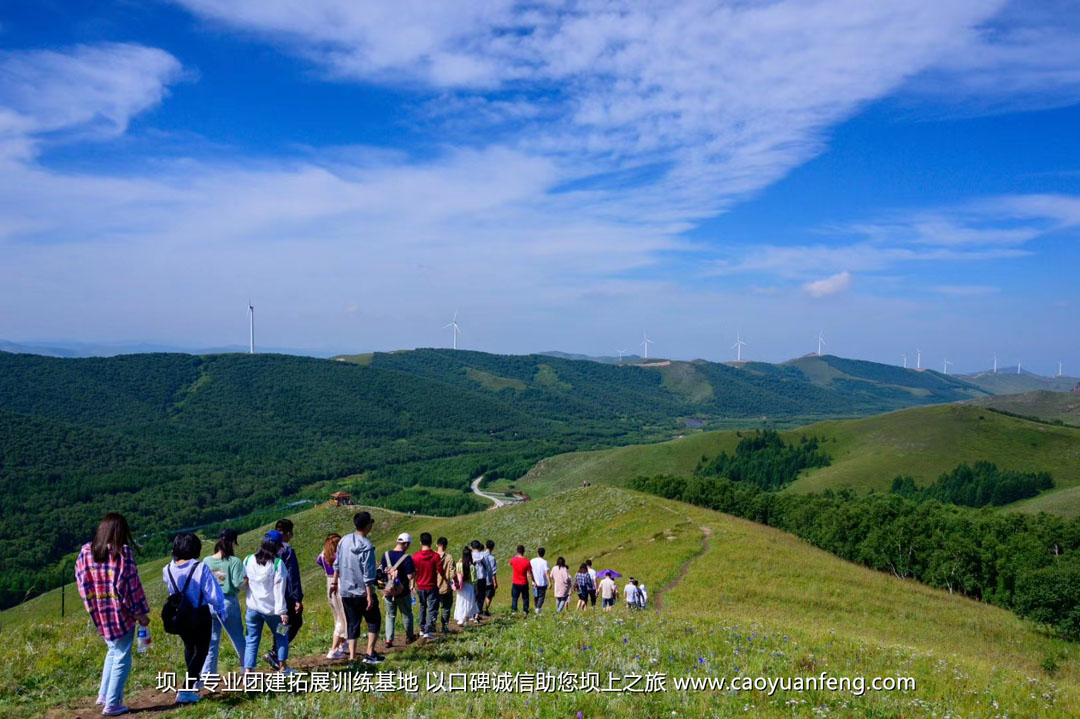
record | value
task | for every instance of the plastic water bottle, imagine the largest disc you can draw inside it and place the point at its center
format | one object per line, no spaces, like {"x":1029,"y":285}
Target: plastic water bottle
{"x":144,"y":638}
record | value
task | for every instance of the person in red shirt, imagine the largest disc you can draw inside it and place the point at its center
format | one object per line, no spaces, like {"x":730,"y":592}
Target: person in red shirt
{"x":521,"y":570}
{"x":428,"y":566}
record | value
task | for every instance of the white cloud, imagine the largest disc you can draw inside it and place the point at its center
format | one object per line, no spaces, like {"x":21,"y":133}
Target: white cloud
{"x":91,"y":90}
{"x":840,"y":282}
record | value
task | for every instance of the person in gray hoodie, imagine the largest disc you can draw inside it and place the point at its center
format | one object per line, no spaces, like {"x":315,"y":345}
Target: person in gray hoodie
{"x":354,"y":579}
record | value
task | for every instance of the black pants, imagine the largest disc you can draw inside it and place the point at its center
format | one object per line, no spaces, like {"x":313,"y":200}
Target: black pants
{"x":519,"y":590}
{"x":357,"y":611}
{"x":197,"y":644}
{"x":480,"y":587}
{"x":296,"y":620}
{"x":592,"y":597}
{"x":446,"y":603}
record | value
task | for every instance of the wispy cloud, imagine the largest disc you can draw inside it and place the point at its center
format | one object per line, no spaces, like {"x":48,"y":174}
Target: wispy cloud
{"x":840,"y":282}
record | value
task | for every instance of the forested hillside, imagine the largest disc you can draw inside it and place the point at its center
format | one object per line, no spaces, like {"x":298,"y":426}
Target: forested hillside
{"x":179,"y":440}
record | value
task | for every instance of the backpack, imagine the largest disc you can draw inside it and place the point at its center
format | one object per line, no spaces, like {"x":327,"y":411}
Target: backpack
{"x":393,"y":587}
{"x":179,"y":615}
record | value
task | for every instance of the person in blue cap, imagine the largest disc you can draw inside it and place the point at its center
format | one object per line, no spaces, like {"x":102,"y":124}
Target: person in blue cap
{"x":294,"y":591}
{"x":266,"y":602}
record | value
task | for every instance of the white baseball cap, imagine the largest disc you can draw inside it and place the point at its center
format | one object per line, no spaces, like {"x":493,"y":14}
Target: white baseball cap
{"x":404,"y":538}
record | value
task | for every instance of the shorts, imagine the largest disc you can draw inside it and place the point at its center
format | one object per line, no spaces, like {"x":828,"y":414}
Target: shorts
{"x":583,"y":596}
{"x":490,"y":593}
{"x":609,"y":602}
{"x":357,"y":610}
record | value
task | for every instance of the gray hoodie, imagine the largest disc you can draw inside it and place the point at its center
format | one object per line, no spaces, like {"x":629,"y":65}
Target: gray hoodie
{"x":355,"y":565}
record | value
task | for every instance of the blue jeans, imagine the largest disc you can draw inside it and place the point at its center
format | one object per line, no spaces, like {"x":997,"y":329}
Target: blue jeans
{"x":115,"y":671}
{"x":402,"y":602}
{"x":428,"y":599}
{"x":233,"y":625}
{"x":541,"y":595}
{"x":255,"y":622}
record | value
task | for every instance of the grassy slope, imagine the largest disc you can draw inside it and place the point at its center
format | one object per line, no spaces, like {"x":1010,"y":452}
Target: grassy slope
{"x":754,"y":602}
{"x":1044,"y":404}
{"x":867,"y":453}
{"x":1005,"y":382}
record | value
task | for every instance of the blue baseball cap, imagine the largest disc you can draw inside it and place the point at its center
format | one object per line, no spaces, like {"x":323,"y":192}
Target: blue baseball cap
{"x":275,"y":536}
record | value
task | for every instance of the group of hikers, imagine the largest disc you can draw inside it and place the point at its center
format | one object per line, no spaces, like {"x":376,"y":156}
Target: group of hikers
{"x":204,"y":601}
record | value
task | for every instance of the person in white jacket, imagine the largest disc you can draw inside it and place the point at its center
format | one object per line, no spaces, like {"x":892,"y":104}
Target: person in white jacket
{"x":266,"y":600}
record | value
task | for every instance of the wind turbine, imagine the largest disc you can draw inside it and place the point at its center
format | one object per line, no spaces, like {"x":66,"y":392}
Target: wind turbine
{"x":918,"y":358}
{"x":947,"y":363}
{"x":904,"y":357}
{"x":456,"y":330}
{"x":645,"y":342}
{"x":621,"y":353}
{"x":820,"y":342}
{"x":995,"y":363}
{"x":1017,"y":366}
{"x":1059,"y":369}
{"x":251,"y":320}
{"x":738,"y":347}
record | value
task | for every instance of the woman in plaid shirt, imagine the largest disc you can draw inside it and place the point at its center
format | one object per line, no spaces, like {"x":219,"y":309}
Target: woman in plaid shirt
{"x":110,"y":588}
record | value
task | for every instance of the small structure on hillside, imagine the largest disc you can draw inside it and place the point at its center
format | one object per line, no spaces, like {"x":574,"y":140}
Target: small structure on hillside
{"x":340,"y":499}
{"x":1076,"y":388}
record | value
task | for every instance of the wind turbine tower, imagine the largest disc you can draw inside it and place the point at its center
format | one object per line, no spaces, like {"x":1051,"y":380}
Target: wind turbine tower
{"x":918,"y":359}
{"x":738,"y":347}
{"x":251,"y":323}
{"x":645,"y":342}
{"x":621,"y":353}
{"x":995,"y":363}
{"x":904,"y":357}
{"x":455,"y":329}
{"x":947,"y":363}
{"x":1059,"y":369}
{"x":1017,"y":366}
{"x":820,"y":342}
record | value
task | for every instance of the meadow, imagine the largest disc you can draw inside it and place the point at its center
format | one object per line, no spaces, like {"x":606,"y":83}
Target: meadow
{"x":728,"y":598}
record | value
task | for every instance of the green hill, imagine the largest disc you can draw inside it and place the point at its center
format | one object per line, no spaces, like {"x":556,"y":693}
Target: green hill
{"x":1044,"y":404}
{"x":733,"y":599}
{"x":866,"y":454}
{"x":1004,"y":382}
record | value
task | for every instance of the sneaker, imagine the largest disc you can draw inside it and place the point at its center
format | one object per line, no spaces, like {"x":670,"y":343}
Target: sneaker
{"x":410,"y":639}
{"x":427,"y":635}
{"x":114,"y":711}
{"x":372,"y":659}
{"x":389,"y":643}
{"x":186,"y":697}
{"x":272,"y":660}
{"x":340,"y":653}
{"x":102,"y":700}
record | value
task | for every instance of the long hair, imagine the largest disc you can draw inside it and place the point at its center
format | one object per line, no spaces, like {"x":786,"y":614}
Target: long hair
{"x":560,"y":562}
{"x":112,"y":534}
{"x":267,"y":552}
{"x":329,"y":549}
{"x":466,"y":562}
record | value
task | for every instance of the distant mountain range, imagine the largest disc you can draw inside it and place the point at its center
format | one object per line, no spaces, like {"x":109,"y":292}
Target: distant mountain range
{"x":106,"y":349}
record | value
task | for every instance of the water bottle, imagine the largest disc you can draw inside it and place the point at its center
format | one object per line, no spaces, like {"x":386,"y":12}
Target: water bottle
{"x":144,"y":638}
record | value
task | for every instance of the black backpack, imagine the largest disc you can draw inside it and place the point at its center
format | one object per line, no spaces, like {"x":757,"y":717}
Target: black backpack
{"x":179,"y":615}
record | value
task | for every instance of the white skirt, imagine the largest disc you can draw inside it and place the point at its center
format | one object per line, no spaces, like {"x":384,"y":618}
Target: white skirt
{"x":465,"y":604}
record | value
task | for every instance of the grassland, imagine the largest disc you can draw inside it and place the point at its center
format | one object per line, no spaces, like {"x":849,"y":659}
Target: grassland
{"x":866,"y":454}
{"x":735,"y":598}
{"x":1044,"y":404}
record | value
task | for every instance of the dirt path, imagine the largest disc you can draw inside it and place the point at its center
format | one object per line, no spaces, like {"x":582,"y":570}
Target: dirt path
{"x":150,"y":701}
{"x":705,"y":547}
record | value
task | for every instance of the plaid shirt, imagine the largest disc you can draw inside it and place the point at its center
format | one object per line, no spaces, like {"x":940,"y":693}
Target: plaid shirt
{"x":111,"y":591}
{"x":584,"y":583}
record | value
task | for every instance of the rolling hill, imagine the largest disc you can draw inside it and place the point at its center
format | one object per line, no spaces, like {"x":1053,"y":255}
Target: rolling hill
{"x":1043,"y":404}
{"x":193,"y":440}
{"x":1004,"y":382}
{"x":732,"y":598}
{"x":866,"y":454}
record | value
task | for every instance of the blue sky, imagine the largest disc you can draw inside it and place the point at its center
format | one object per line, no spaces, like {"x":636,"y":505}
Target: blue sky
{"x":899,"y":175}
